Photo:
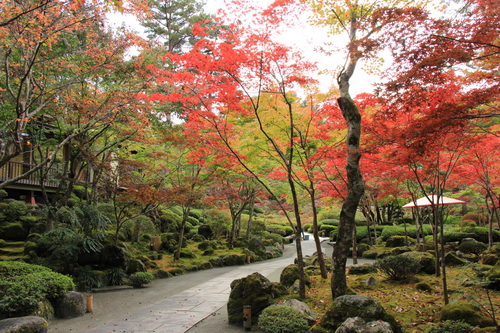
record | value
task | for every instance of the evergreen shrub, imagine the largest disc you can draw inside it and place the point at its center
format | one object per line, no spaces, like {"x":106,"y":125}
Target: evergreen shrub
{"x":23,"y":286}
{"x":139,"y":279}
{"x":399,"y":230}
{"x":282,"y":319}
{"x":15,"y":210}
{"x":399,"y":267}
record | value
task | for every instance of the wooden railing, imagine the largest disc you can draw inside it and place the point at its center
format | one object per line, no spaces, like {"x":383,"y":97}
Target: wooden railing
{"x":14,"y":169}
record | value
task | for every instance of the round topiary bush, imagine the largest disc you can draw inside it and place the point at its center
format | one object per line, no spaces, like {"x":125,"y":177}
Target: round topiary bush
{"x":139,"y":279}
{"x":282,"y":319}
{"x":400,"y":267}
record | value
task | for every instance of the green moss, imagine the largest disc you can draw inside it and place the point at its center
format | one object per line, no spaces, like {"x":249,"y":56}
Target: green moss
{"x":466,"y":312}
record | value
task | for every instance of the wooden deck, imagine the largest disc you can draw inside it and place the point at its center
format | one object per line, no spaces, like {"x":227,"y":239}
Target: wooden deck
{"x":33,"y":181}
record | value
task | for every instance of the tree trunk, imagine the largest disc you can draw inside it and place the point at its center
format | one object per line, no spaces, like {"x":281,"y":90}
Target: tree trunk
{"x":298,"y":235}
{"x":185,"y":215}
{"x":355,"y":188}
{"x":321,"y":259}
{"x":250,"y":217}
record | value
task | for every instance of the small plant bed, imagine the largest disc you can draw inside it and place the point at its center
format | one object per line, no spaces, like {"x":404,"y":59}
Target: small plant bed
{"x":414,"y":305}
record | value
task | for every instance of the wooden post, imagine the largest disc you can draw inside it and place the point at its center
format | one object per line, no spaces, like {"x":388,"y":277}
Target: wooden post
{"x":155,"y":243}
{"x":247,"y":317}
{"x":90,"y":305}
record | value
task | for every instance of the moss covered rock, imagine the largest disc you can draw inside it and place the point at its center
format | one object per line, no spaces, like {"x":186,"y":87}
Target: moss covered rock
{"x":399,"y":241}
{"x":290,"y":274}
{"x":466,"y":312}
{"x":29,"y":324}
{"x":489,"y":258}
{"x":427,"y":261}
{"x":234,"y":260}
{"x":351,"y":306}
{"x":453,"y":260}
{"x":71,"y":305}
{"x":254,"y":290}
{"x":361,"y":269}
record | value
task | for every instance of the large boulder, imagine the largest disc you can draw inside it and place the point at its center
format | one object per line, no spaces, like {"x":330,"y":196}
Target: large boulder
{"x":427,"y":261}
{"x":452,"y":259}
{"x":290,"y":274}
{"x":70,"y":305}
{"x":113,"y":256}
{"x":351,"y":306}
{"x":29,"y":324}
{"x":135,"y":265}
{"x":301,"y":307}
{"x":256,"y":246}
{"x":358,"y":325}
{"x":254,"y":290}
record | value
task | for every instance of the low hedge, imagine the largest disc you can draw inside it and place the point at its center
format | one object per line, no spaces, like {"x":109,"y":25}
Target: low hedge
{"x":478,"y":233}
{"x":399,"y":230}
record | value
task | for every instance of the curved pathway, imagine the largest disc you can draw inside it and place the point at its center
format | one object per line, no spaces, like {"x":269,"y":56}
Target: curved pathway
{"x":194,"y":302}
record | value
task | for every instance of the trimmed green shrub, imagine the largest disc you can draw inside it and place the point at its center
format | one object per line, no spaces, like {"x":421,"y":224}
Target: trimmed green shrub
{"x":399,"y":230}
{"x":334,"y":222}
{"x":328,"y":229}
{"x":472,"y":247}
{"x":450,"y":326}
{"x":15,"y":210}
{"x":282,"y":230}
{"x":282,"y":319}
{"x":478,"y":233}
{"x":23,"y":286}
{"x":139,"y":279}
{"x":400,"y":267}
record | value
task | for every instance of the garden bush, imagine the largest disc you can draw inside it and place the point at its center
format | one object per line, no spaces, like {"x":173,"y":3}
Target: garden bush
{"x":328,"y":229}
{"x":87,"y":279}
{"x":169,"y":221}
{"x":399,"y":267}
{"x":480,"y":219}
{"x":205,"y":231}
{"x":282,"y":319}
{"x":23,"y":286}
{"x":14,"y":231}
{"x":15,"y":209}
{"x":139,"y":279}
{"x":478,"y":233}
{"x":115,"y":276}
{"x":334,"y":222}
{"x":282,"y":230}
{"x":450,"y":326}
{"x":399,"y":230}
